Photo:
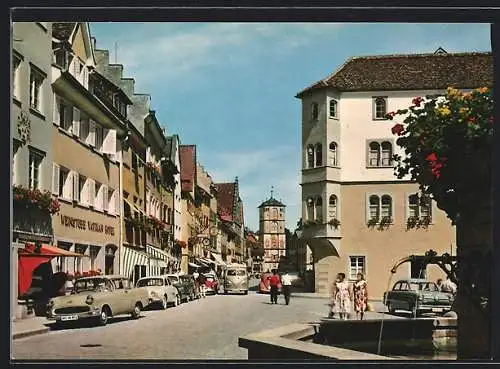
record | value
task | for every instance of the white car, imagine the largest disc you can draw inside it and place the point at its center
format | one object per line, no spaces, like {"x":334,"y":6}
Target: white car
{"x":160,"y":291}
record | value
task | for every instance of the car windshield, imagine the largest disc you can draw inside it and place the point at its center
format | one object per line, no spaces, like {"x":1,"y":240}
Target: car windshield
{"x":172,"y":279}
{"x":236,"y":272}
{"x":94,"y":284}
{"x":150,"y":282}
{"x":423,"y":286}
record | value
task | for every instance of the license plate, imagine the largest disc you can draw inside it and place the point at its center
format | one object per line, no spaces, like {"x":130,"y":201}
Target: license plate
{"x":437,"y":310}
{"x":66,"y":318}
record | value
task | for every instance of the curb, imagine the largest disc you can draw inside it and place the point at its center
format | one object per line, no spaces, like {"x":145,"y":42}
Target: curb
{"x":33,"y":332}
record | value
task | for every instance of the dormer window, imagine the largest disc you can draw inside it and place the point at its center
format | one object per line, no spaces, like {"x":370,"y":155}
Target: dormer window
{"x":314,"y":111}
{"x":379,"y":107}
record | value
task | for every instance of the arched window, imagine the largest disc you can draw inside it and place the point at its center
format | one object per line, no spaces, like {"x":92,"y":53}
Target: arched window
{"x":318,"y":211}
{"x":268,"y":243}
{"x":380,"y":107}
{"x":374,"y":154}
{"x":332,"y":207}
{"x":374,"y":207}
{"x":386,"y":206}
{"x":314,"y":110}
{"x":310,"y":209}
{"x":274,"y":227}
{"x":333,"y":154}
{"x":386,"y":154}
{"x":319,"y":155}
{"x":426,"y":206}
{"x":333,"y":108}
{"x":413,"y":206}
{"x":310,"y":156}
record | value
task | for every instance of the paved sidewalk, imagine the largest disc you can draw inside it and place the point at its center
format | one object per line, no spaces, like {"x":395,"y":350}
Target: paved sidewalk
{"x":29,"y":327}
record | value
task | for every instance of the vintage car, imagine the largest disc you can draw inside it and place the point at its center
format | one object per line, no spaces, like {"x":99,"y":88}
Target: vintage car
{"x":417,"y":296}
{"x":184,"y":290}
{"x":188,"y":285}
{"x":236,"y":279}
{"x":160,"y":291}
{"x":211,"y":283}
{"x":98,"y":298}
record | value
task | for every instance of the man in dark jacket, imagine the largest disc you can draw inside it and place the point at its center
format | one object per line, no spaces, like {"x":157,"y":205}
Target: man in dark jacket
{"x":274,"y":282}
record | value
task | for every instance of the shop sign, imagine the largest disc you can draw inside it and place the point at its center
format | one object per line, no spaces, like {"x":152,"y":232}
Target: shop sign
{"x":86,"y":224}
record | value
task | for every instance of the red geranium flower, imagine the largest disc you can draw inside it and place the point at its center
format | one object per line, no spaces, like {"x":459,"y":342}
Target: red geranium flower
{"x":397,"y":129}
{"x":431,"y":157}
{"x":417,"y":100}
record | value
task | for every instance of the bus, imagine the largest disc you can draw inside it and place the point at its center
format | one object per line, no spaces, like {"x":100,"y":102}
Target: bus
{"x":236,"y":279}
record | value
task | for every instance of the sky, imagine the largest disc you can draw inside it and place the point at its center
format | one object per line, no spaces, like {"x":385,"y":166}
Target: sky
{"x":229,"y":88}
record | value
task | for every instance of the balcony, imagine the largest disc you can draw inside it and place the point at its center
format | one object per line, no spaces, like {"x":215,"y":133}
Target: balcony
{"x":31,"y":220}
{"x":319,"y":174}
{"x":321,"y":230}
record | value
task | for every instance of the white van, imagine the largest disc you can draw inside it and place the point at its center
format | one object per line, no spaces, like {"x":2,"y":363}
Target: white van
{"x":236,"y":279}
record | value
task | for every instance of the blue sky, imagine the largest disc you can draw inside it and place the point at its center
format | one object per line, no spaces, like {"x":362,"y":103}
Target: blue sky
{"x":229,"y":87}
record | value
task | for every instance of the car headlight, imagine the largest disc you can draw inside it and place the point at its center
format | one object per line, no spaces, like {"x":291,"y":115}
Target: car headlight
{"x":89,"y":300}
{"x":50,"y":304}
{"x":152,"y":294}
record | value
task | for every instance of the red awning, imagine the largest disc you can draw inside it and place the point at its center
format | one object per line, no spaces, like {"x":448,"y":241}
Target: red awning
{"x":27,"y":264}
{"x":48,"y":250}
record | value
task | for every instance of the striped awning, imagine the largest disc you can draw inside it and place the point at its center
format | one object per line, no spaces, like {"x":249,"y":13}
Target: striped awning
{"x":132,"y":258}
{"x":157,"y":253}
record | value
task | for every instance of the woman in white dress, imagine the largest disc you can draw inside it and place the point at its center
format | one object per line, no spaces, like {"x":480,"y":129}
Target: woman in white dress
{"x":342,"y":297}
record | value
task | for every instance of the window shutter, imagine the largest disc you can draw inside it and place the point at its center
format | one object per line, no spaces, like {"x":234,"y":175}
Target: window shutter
{"x":72,"y":68}
{"x":407,"y":206}
{"x":98,"y":198}
{"x":76,"y":121}
{"x":91,"y":136}
{"x":117,"y":202}
{"x":55,"y":179}
{"x":111,"y":203}
{"x":68,"y":187}
{"x":91,"y":192}
{"x":109,"y":145}
{"x":105,"y":203}
{"x":85,"y":77}
{"x":57,"y":114}
{"x":84,"y":196}
{"x":367,"y":207}
{"x":76,"y":186}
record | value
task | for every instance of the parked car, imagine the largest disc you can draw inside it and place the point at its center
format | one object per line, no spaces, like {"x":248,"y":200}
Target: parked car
{"x":98,"y":298}
{"x":188,"y":285}
{"x":417,"y":296}
{"x":265,"y":283}
{"x":160,"y":291}
{"x":211,"y":283}
{"x":296,"y":279}
{"x":182,"y":287}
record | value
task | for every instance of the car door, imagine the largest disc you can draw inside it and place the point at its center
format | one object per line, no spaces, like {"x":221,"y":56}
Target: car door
{"x":392,"y":295}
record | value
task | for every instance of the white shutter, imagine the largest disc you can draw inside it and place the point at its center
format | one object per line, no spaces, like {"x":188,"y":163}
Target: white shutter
{"x":76,"y":186}
{"x":84,"y":196}
{"x":55,"y":179}
{"x":98,"y":198}
{"x":117,"y":202}
{"x":68,"y":187}
{"x":91,"y":192}
{"x":105,"y":203}
{"x":72,"y":68}
{"x":57,"y":114}
{"x":81,"y":74}
{"x":91,"y":136}
{"x":76,"y":121}
{"x":85,"y":77}
{"x":367,"y":207}
{"x":104,"y":148}
{"x":111,"y":202}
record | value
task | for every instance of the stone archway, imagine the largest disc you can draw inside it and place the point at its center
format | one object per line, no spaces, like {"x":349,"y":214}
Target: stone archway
{"x":109,"y":259}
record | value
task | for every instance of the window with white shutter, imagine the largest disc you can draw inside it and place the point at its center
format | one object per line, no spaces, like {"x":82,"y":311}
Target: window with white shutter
{"x":76,"y":122}
{"x":91,"y":137}
{"x":65,"y":183}
{"x":82,"y":190}
{"x":56,"y":117}
{"x":76,"y":186}
{"x":105,"y":203}
{"x":98,"y":137}
{"x":109,"y":145}
{"x":84,"y":128}
{"x":111,"y":201}
{"x":91,"y":192}
{"x":98,"y":196}
{"x":55,"y":179}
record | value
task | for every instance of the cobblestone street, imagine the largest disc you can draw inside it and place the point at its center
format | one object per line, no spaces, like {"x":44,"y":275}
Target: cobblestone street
{"x":204,"y":329}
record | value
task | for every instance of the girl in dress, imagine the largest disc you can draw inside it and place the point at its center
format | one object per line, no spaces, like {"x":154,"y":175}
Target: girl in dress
{"x":360,"y":296}
{"x":342,"y":297}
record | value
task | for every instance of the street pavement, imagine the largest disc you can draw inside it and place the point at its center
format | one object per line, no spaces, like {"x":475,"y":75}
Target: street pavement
{"x":205,"y":329}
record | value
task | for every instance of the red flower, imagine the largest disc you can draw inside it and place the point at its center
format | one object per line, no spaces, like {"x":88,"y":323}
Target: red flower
{"x":490,"y":120}
{"x":397,"y":129}
{"x":417,"y":100}
{"x":431,"y":157}
{"x":390,"y":115}
{"x":472,"y":120}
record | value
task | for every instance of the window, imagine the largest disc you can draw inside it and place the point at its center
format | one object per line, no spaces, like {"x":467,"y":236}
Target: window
{"x":374,"y":207}
{"x":386,"y":206}
{"x":61,"y":58}
{"x":65,"y":112}
{"x":310,"y":209}
{"x":332,"y":207}
{"x":310,"y":156}
{"x":99,"y":137}
{"x":98,"y":203}
{"x":82,"y":186}
{"x":16,"y":61}
{"x":419,"y":207}
{"x":35,"y":160}
{"x":333,"y":108}
{"x":274,"y":227}
{"x":374,"y":154}
{"x":15,"y":147}
{"x":379,"y":107}
{"x":314,"y":111}
{"x":134,"y":162}
{"x":65,"y":183}
{"x":36,"y":81}
{"x":356,"y":265}
{"x":319,"y":209}
{"x":94,"y":252}
{"x":319,"y":155}
{"x":380,"y":154}
{"x":84,"y":128}
{"x":333,"y":154}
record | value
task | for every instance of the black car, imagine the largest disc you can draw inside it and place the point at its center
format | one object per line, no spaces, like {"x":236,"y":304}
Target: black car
{"x":188,"y":286}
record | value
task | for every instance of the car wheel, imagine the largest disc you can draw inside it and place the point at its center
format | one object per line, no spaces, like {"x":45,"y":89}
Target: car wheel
{"x":177,"y":300}
{"x":225,"y":292}
{"x":136,"y":313}
{"x":164,"y":302}
{"x":191,"y":296}
{"x":104,"y":316}
{"x":245,"y":293}
{"x":390,"y":308}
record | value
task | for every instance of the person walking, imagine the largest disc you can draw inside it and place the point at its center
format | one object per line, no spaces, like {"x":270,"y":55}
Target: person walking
{"x":274,"y":282}
{"x":360,"y":292}
{"x":286,"y":285}
{"x":201,"y":283}
{"x":342,"y":297}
